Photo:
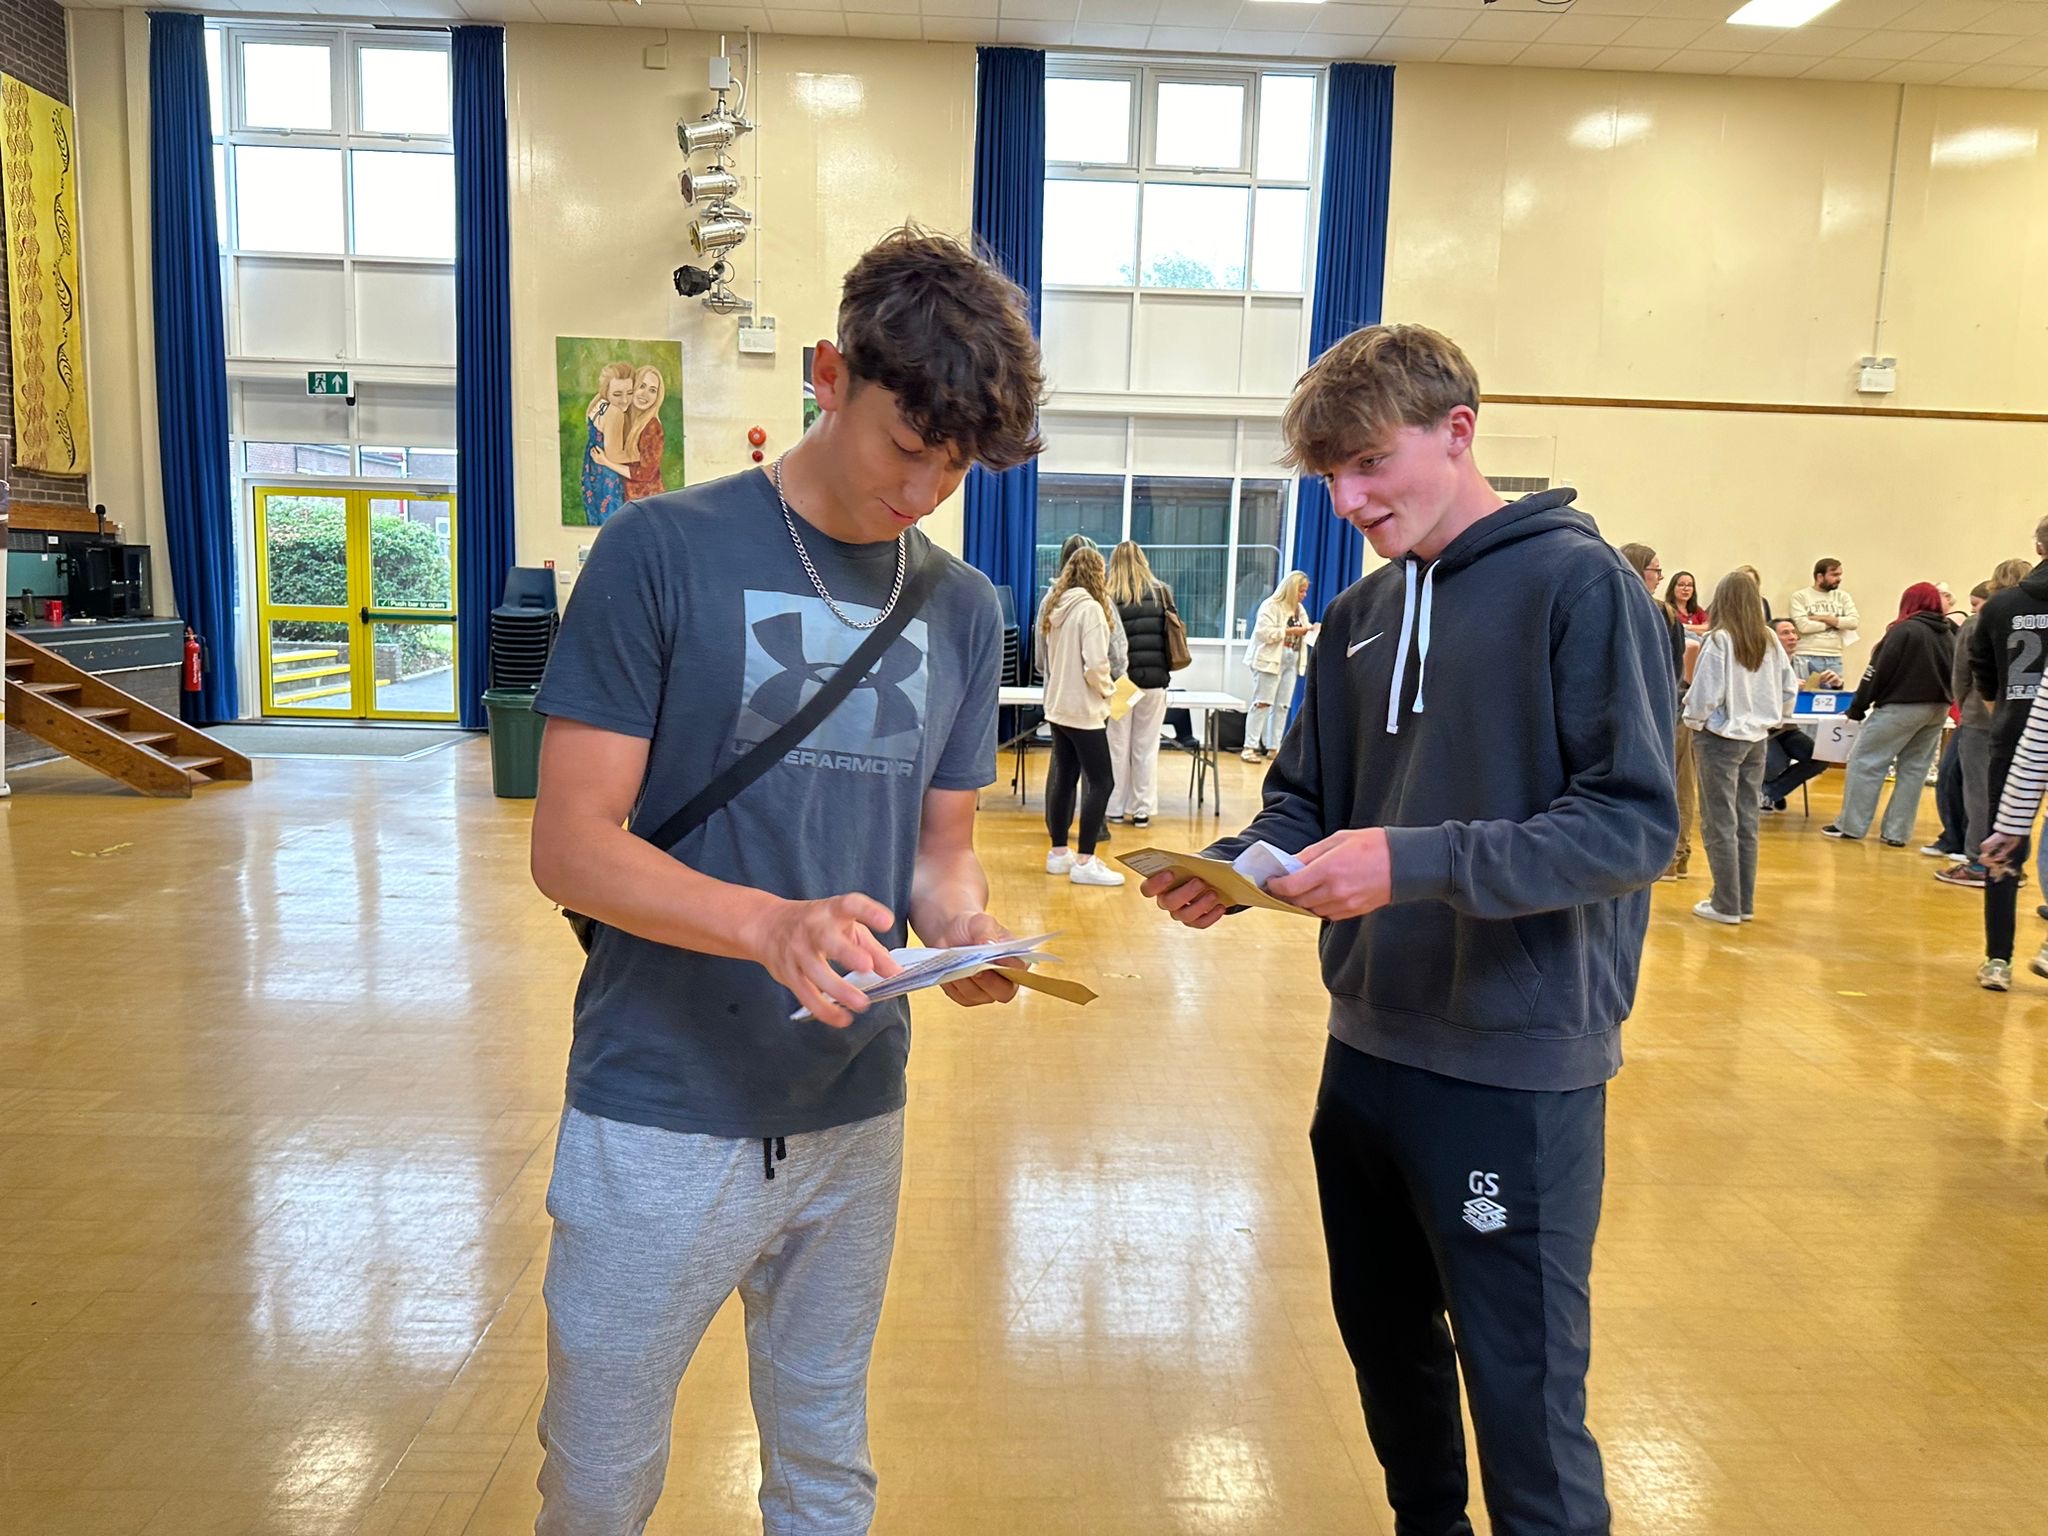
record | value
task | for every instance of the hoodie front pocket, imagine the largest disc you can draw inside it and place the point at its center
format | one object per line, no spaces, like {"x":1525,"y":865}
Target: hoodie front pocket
{"x":1424,"y":958}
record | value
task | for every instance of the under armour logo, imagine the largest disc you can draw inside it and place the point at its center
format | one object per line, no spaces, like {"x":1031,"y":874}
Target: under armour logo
{"x":779,"y":698}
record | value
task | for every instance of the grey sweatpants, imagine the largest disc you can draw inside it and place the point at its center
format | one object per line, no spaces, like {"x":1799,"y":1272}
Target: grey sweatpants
{"x":1731,"y":775}
{"x":653,"y":1230}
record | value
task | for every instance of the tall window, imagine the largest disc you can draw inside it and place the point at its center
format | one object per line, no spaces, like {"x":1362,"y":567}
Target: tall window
{"x":334,"y":171}
{"x":1179,"y":213}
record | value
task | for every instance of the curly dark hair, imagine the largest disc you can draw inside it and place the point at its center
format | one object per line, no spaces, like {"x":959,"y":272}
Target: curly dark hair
{"x":938,"y":325}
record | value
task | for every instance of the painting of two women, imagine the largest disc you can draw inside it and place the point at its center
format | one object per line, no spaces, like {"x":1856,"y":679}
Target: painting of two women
{"x":623,"y":441}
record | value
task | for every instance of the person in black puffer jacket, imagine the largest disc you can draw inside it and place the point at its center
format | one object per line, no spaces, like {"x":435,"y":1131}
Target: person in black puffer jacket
{"x":1902,"y":701}
{"x":1142,"y":602}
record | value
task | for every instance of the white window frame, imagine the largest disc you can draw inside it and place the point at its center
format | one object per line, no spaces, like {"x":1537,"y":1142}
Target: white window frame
{"x":345,"y":45}
{"x":1146,"y":170}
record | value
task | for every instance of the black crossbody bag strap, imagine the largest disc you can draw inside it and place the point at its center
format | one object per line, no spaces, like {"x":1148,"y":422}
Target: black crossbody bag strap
{"x":728,"y":786}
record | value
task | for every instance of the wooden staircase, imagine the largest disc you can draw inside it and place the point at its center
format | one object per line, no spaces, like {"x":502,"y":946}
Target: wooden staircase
{"x":89,"y":719}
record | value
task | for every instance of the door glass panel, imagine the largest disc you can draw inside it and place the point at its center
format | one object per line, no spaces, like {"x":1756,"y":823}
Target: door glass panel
{"x":309,"y":667}
{"x":305,"y":542}
{"x":410,"y":564}
{"x":415,"y":668}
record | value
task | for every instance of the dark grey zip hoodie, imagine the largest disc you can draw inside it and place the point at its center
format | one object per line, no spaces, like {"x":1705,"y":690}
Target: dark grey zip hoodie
{"x":1505,"y":713}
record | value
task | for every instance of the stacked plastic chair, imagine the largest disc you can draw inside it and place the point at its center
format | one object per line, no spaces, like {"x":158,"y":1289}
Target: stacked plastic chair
{"x":523,"y":628}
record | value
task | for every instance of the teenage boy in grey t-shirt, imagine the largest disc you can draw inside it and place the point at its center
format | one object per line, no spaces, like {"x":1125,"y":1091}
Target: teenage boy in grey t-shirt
{"x":710,"y":1143}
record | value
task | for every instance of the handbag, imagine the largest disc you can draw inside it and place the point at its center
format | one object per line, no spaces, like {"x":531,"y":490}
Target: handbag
{"x":1178,"y":656}
{"x":727,"y":787}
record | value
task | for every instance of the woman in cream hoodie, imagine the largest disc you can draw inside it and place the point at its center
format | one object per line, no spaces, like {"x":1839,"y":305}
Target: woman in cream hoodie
{"x":1075,"y":639}
{"x":1275,"y":658}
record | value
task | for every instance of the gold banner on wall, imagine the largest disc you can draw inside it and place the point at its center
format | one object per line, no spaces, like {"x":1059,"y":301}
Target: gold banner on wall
{"x":39,"y":185}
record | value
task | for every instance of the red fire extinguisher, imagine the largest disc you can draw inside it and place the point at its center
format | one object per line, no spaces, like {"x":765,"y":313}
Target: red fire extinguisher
{"x":191,"y":661}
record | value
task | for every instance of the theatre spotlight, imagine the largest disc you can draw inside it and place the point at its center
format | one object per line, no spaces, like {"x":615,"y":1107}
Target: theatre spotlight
{"x":707,"y":185}
{"x":717,"y":231}
{"x":713,"y":133}
{"x":691,"y":281}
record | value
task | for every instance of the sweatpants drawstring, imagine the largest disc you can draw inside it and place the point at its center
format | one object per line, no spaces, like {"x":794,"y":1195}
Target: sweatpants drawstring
{"x":773,"y":1151}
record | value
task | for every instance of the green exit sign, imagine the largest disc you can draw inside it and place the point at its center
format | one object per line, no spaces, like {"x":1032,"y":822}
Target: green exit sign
{"x":327,"y":383}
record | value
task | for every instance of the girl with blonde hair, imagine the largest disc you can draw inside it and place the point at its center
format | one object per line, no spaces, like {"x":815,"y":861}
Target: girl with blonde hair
{"x":1142,"y":603}
{"x":643,"y":436}
{"x":1275,"y":661}
{"x":1079,"y":680}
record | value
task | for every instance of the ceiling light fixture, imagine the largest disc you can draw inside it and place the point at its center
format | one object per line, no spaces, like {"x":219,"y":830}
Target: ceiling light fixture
{"x":1779,"y":13}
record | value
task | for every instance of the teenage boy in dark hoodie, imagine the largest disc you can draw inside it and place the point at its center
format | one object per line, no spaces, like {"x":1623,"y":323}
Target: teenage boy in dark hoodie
{"x":1480,"y":783}
{"x":2008,"y":655}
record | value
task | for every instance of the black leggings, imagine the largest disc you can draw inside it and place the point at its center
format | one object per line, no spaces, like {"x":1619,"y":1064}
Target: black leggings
{"x":2002,"y":897}
{"x":1078,"y":758}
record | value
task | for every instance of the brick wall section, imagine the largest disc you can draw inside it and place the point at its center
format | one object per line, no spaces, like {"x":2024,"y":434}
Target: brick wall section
{"x":32,"y":50}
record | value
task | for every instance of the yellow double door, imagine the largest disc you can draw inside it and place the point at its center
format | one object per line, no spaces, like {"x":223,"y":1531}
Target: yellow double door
{"x":356,"y":603}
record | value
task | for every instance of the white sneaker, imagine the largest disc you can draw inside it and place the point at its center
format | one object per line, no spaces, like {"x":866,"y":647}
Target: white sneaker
{"x":1094,"y":872}
{"x":1059,"y":861}
{"x":1995,"y":975}
{"x":1713,"y":914}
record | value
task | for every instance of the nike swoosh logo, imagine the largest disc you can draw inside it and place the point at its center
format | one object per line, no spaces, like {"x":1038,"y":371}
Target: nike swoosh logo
{"x":1358,"y":645}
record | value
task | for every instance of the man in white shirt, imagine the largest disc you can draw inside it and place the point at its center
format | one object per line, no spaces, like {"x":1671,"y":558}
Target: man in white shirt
{"x":1825,"y":617}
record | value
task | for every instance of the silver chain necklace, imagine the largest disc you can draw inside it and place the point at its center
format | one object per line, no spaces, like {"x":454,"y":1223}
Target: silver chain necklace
{"x":839,"y":613}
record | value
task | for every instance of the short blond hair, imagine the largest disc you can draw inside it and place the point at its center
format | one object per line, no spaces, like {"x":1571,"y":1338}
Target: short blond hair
{"x":1369,"y":385}
{"x":2010,"y":573}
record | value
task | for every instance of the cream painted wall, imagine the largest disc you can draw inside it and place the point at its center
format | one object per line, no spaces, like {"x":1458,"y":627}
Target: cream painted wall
{"x":855,"y":138}
{"x":110,"y":86}
{"x":1585,"y":233}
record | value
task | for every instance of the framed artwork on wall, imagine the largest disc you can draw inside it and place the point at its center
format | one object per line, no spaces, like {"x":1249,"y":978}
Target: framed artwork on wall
{"x":620,"y":405}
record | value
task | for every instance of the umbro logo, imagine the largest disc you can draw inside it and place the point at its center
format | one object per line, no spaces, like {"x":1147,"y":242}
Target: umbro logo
{"x":1358,"y":645}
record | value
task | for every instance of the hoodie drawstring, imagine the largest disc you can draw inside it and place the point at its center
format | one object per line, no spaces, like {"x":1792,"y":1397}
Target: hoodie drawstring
{"x":1416,"y":626}
{"x":1401,"y":652}
{"x":1422,"y":633}
{"x":772,"y":1152}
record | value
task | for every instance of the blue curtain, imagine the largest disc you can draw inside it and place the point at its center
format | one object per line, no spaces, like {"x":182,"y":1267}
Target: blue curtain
{"x":1351,"y":271}
{"x":1009,"y":219}
{"x":483,"y":357}
{"x":191,"y":354}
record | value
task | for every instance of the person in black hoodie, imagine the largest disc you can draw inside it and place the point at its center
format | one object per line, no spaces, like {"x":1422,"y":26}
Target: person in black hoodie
{"x":1901,"y":701}
{"x":1142,"y":604}
{"x":2006,"y":663}
{"x":1480,"y":785}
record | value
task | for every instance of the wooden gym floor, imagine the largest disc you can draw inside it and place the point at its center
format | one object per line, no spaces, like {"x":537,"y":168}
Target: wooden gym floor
{"x":280,"y":1067}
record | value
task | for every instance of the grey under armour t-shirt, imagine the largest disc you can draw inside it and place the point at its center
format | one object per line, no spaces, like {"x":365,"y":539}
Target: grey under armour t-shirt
{"x":695,"y":627}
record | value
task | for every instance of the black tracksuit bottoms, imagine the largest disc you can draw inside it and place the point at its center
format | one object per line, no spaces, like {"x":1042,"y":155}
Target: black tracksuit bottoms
{"x":1459,"y":1220}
